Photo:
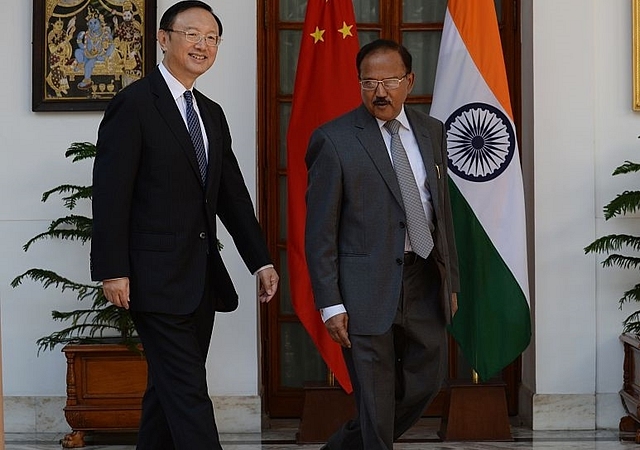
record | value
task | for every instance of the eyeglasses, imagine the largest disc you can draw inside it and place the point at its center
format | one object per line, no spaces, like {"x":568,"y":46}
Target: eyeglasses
{"x":212,"y":40}
{"x":387,"y":83}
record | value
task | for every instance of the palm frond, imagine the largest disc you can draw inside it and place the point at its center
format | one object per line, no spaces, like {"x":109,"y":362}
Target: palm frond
{"x":49,"y":278}
{"x":101,"y":318}
{"x":622,"y":261}
{"x":70,"y":336}
{"x":626,"y":167}
{"x":632,"y":295}
{"x":613,"y":242}
{"x":632,"y":323}
{"x":80,"y":151}
{"x":77,"y":193}
{"x":626,"y":203}
{"x":72,"y":228}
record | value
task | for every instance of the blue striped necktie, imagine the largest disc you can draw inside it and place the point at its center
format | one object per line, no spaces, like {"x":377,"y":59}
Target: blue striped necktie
{"x":417,"y":226}
{"x":195,"y":131}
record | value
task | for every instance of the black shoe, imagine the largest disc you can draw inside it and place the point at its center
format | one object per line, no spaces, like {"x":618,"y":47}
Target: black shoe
{"x":325,"y":447}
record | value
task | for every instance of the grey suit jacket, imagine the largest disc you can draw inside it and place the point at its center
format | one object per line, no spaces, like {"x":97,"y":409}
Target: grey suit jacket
{"x":355,"y":225}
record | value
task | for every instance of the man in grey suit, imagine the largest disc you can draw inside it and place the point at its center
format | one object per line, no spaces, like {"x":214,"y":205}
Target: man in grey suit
{"x":380,"y":248}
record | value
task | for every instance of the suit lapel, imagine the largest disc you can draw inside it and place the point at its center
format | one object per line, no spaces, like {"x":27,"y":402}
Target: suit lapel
{"x":426,"y":149}
{"x":168,"y":109}
{"x":369,"y":135}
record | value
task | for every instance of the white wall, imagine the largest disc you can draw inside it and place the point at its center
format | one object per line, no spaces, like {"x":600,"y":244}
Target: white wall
{"x":581,"y":127}
{"x":565,"y":119}
{"x":616,"y":140}
{"x":32,"y":160}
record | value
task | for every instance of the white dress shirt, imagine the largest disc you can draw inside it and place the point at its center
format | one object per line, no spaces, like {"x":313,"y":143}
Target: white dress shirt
{"x":177,"y":92}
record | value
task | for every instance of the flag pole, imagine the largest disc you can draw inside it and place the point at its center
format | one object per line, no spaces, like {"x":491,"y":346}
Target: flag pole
{"x":331,"y":378}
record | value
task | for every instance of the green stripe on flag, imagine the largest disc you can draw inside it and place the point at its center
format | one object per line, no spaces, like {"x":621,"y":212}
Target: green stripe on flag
{"x":493,"y":324}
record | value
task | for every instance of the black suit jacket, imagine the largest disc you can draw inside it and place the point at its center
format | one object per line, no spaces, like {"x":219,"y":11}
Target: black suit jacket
{"x":153,"y":221}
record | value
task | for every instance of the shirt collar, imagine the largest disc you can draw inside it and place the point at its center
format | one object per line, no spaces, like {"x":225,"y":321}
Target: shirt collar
{"x":176,"y":88}
{"x":402,"y":118}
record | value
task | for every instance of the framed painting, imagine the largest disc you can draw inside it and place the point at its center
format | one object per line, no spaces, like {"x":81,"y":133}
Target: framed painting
{"x":635,"y":13}
{"x":85,"y":51}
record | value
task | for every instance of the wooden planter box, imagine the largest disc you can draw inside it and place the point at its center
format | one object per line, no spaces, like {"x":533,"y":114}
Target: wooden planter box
{"x":630,"y":392}
{"x":105,"y":386}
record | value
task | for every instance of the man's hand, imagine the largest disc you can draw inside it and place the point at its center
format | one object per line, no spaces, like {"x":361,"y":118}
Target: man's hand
{"x":337,"y":327}
{"x":454,"y":303}
{"x":268,"y":284}
{"x":117,"y":291}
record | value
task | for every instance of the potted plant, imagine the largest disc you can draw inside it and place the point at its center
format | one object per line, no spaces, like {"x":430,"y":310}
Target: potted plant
{"x":98,"y":340}
{"x":627,"y":202}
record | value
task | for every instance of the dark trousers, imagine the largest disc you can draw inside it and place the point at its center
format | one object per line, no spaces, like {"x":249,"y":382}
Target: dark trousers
{"x":177,"y":413}
{"x":396,"y":374}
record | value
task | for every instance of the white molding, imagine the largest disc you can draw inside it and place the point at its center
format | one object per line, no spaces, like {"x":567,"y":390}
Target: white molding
{"x":234,"y":414}
{"x":564,"y":412}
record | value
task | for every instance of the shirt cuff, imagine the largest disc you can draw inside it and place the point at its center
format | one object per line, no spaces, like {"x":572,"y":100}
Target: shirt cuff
{"x":268,"y":266}
{"x":330,"y":311}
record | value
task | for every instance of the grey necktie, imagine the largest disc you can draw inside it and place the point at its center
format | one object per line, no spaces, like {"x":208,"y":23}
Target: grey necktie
{"x":417,"y":226}
{"x":196,"y":135}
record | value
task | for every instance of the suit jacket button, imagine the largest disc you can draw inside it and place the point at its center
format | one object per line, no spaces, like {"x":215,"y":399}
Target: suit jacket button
{"x":203,"y":235}
{"x":402,"y":225}
{"x":399,"y":261}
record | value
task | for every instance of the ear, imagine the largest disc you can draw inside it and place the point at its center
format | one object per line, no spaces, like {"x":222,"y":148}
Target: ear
{"x":410,"y":80}
{"x":163,"y":37}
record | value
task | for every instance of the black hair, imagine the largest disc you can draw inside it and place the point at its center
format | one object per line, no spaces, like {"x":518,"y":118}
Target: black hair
{"x":384,"y":44}
{"x":169,"y":16}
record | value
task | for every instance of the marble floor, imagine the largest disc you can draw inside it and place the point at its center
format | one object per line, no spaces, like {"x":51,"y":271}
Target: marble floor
{"x":282,"y":436}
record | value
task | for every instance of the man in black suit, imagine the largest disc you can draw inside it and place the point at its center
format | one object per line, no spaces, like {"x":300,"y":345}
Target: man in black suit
{"x":380,"y":248}
{"x":164,"y":170}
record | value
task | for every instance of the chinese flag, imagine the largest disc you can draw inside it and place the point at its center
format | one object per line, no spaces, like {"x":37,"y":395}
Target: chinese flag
{"x":326,"y":86}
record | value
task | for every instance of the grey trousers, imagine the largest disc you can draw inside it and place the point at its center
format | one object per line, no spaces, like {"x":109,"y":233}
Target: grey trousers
{"x":396,"y":374}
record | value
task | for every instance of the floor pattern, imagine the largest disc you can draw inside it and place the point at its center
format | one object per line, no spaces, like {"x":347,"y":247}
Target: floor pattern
{"x":282,"y":436}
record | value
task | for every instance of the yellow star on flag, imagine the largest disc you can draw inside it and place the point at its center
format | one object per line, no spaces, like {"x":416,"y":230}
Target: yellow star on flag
{"x":345,"y":30}
{"x":317,"y":35}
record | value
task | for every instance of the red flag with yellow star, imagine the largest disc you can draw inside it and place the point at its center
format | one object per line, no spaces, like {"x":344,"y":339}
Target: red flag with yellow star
{"x":326,"y":86}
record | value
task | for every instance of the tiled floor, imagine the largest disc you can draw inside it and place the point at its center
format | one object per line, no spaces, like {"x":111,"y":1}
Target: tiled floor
{"x":282,"y":436}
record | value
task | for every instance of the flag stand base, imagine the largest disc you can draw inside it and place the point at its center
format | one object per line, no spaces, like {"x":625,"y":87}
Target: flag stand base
{"x":325,"y":409}
{"x":475,"y":412}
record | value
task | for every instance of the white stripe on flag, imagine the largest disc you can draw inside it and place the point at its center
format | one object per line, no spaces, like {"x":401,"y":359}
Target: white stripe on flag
{"x":498,"y":203}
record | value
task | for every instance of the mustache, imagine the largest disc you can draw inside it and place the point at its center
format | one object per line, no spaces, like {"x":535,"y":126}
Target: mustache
{"x":381,"y":101}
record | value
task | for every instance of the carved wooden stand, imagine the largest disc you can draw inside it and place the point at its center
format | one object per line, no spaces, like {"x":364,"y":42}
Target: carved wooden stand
{"x":105,"y":385}
{"x":630,"y":392}
{"x":325,"y":409}
{"x":475,"y":412}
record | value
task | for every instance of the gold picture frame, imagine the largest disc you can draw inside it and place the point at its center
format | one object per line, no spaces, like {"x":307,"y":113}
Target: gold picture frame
{"x":85,"y":51}
{"x":635,"y":14}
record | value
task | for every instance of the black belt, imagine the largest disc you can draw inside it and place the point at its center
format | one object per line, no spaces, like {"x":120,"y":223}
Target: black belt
{"x":411,"y":258}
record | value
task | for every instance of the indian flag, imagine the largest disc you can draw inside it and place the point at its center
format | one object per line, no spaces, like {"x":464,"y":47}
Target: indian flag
{"x":471,"y":96}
